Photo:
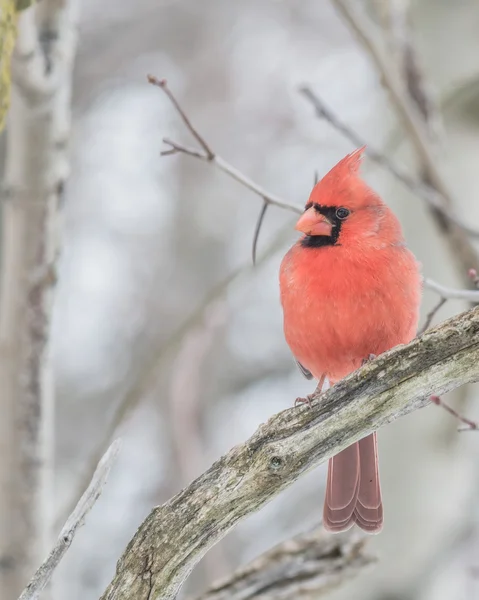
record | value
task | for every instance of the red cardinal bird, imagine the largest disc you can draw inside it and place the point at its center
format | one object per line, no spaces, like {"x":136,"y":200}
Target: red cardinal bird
{"x":350,"y":289}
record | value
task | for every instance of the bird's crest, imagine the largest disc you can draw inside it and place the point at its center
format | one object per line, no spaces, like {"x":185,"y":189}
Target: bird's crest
{"x":343,"y":179}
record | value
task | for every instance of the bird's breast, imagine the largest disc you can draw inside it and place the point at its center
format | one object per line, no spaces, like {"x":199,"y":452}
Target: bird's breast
{"x":340,"y":308}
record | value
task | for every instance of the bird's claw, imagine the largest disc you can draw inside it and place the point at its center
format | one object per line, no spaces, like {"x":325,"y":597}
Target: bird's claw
{"x":307,"y":400}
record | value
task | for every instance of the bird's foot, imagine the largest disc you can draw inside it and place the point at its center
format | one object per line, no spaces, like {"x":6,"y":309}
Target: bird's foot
{"x":368,"y":359}
{"x":310,"y":397}
{"x":307,"y":400}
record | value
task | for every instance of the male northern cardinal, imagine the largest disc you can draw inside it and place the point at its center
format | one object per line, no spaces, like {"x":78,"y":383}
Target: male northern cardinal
{"x":350,"y":289}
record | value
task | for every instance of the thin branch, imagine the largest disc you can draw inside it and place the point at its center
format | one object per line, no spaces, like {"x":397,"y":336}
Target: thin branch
{"x":75,"y":521}
{"x":431,"y":314}
{"x":257,"y":229}
{"x":307,"y":566}
{"x":175,"y":536}
{"x":234,"y":173}
{"x":431,"y":196}
{"x":162,"y":83}
{"x":211,"y":157}
{"x":451,"y":293}
{"x":469,"y":425}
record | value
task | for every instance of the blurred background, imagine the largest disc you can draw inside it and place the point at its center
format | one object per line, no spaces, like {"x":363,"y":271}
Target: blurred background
{"x":164,"y":334}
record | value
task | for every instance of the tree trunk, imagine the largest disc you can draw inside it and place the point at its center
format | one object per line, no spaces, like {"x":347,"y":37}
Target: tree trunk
{"x":35,"y":171}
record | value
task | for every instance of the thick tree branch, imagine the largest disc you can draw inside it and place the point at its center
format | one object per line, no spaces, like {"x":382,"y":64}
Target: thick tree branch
{"x":308,"y":566}
{"x":176,"y":535}
{"x":74,"y":522}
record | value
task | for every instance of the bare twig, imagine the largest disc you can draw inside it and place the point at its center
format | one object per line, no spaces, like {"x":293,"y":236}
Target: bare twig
{"x":431,"y":314}
{"x":307,"y":566}
{"x":209,"y":156}
{"x":162,"y":83}
{"x":469,"y":425}
{"x":451,"y":293}
{"x":224,"y":166}
{"x":175,"y":536}
{"x":75,"y":521}
{"x":431,"y":196}
{"x":258,"y":228}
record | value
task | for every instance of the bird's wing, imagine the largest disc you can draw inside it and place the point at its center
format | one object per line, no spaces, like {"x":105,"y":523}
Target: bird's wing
{"x":304,"y":371}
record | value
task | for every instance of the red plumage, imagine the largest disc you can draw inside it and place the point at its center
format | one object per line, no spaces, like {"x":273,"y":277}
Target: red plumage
{"x":349,"y":288}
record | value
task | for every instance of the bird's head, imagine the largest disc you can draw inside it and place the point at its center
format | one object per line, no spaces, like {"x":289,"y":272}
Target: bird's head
{"x":342,"y":208}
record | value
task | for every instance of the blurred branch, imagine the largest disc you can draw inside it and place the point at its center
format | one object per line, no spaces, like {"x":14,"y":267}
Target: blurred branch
{"x":461,"y":247}
{"x":446,"y":294}
{"x":36,"y":167}
{"x":75,"y":521}
{"x":451,"y":293}
{"x":257,"y":229}
{"x":400,"y":35}
{"x":185,"y":390}
{"x":146,"y":378}
{"x":175,"y":536}
{"x":187,"y":377}
{"x":307,"y":566}
{"x":431,"y":196}
{"x":359,"y":23}
{"x":431,"y":314}
{"x":8,"y":32}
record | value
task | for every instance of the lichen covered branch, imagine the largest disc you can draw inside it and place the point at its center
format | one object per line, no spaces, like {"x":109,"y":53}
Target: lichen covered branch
{"x":175,"y":536}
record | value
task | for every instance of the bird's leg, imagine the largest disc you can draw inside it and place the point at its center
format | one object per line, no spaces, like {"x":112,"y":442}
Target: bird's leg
{"x":309,"y":398}
{"x":369,"y":358}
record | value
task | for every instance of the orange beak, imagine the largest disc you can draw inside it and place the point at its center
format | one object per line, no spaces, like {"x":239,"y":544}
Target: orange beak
{"x":313,"y":223}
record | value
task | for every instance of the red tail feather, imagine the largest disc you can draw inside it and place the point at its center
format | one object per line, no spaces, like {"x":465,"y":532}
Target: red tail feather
{"x":353,"y":492}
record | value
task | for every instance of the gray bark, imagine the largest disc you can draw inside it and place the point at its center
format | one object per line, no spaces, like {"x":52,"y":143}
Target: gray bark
{"x":175,"y":536}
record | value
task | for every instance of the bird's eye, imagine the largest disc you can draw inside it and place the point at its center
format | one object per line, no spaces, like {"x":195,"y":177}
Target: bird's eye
{"x":342,"y":213}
